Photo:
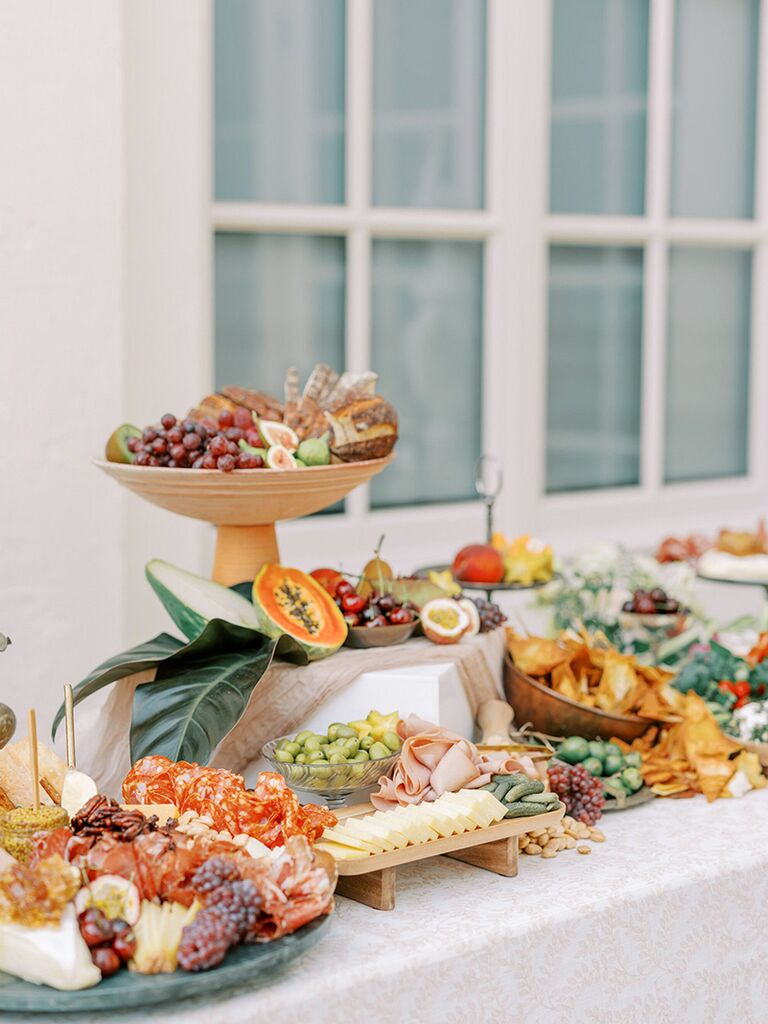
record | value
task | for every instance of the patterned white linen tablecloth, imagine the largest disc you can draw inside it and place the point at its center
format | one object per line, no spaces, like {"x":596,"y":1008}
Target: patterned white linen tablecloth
{"x":665,"y":923}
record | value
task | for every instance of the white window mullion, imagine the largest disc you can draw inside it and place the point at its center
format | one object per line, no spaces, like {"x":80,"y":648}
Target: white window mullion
{"x":515,"y":264}
{"x":359,"y":92}
{"x":660,"y":60}
{"x":758,"y":378}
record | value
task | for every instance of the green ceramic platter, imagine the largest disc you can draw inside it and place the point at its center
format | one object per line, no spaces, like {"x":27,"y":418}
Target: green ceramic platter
{"x":246,"y":966}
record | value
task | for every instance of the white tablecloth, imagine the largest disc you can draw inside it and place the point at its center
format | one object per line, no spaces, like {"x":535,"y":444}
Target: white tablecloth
{"x":665,"y":923}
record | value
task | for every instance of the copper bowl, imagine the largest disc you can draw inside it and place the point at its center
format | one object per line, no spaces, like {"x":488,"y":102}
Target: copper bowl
{"x":554,"y":715}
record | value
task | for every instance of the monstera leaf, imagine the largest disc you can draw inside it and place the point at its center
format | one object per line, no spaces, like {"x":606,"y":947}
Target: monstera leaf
{"x":200,"y":689}
{"x":144,"y":656}
{"x":194,"y":702}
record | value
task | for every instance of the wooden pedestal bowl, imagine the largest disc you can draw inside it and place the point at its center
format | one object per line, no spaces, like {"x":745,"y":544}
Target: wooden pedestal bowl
{"x":244,"y":504}
{"x":554,"y":715}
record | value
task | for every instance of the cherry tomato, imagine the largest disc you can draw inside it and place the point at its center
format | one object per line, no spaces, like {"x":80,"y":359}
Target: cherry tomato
{"x":742,"y":688}
{"x":400,"y":616}
{"x":352,"y":603}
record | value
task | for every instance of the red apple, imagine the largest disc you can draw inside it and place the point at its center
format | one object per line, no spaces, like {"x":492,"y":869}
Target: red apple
{"x":479,"y":563}
{"x":328,"y":578}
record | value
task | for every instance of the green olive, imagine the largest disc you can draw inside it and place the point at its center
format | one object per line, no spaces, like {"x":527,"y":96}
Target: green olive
{"x":319,"y":760}
{"x":379,"y":750}
{"x":347,"y":732}
{"x":333,"y":730}
{"x":300,"y":759}
{"x":303,"y":736}
{"x":282,"y":744}
{"x":323,"y":771}
{"x":284,"y":755}
{"x":351,"y":747}
{"x":366,"y":742}
{"x":391,"y":740}
{"x":361,"y":755}
{"x":315,"y":755}
{"x":312,"y":743}
{"x":293,"y":748}
{"x":322,"y":738}
{"x":337,"y":758}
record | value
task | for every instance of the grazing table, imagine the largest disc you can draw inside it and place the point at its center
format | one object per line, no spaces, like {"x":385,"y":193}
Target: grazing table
{"x":664,"y":922}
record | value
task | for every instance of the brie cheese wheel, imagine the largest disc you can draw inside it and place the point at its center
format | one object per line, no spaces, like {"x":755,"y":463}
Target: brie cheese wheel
{"x":55,"y":956}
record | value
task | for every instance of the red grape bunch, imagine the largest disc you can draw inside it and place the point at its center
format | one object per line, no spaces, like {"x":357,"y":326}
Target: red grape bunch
{"x":579,"y":790}
{"x":189,"y":444}
{"x":491,"y":616}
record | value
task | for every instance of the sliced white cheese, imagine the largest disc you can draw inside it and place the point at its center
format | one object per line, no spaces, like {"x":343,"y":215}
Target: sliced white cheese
{"x":385,"y":829}
{"x":49,"y":956}
{"x":480,"y":805}
{"x":339,"y":834}
{"x":443,"y":824}
{"x":339,"y":852}
{"x":411,"y":813}
{"x":415,"y":832}
{"x":460,"y":813}
{"x":373,"y":834}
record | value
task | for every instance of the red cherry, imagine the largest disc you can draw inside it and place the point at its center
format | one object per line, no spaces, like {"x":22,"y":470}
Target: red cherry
{"x":352,"y":602}
{"x":400,"y":616}
{"x":344,"y":587}
{"x":379,"y":620}
{"x":352,"y":620}
{"x":106,"y":959}
{"x":95,"y":927}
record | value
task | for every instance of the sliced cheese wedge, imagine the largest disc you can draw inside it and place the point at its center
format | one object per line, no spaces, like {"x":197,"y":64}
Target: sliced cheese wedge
{"x":412,"y":813}
{"x":481,"y":806}
{"x":460,"y":814}
{"x":394,"y":834}
{"x":443,"y":824}
{"x":345,"y":837}
{"x":372,"y":833}
{"x":341,"y":852}
{"x":414,"y":832}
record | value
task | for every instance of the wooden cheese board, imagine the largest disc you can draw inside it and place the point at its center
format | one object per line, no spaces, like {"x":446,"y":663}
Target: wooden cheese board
{"x":372,"y":880}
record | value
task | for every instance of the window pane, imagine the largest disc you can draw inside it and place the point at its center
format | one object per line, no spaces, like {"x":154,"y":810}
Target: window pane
{"x":427,"y":349}
{"x":279,"y":100}
{"x":279,"y":303}
{"x":707,"y":364}
{"x":594,"y":367}
{"x":599,"y":85}
{"x":713,"y":138}
{"x":599,"y":78}
{"x":429,"y":103}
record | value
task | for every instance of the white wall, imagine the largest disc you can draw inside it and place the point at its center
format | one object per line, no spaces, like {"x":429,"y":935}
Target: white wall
{"x":61,"y":375}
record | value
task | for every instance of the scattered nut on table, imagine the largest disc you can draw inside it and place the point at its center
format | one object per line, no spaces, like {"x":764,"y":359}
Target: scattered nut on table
{"x":548,"y":842}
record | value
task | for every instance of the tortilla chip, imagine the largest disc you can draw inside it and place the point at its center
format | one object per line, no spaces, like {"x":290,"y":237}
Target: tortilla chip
{"x":564,"y":682}
{"x":620,"y":687}
{"x":536,"y":656}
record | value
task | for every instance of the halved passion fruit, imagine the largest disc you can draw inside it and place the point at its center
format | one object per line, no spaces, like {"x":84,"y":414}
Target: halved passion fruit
{"x":470,"y":608}
{"x":444,"y":621}
{"x":115,"y":896}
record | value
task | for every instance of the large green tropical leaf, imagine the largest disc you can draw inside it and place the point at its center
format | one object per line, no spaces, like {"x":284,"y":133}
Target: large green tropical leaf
{"x":144,"y":656}
{"x":194,"y":702}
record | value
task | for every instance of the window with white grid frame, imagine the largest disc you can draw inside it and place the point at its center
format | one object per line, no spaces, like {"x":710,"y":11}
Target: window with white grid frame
{"x":349,"y":215}
{"x":657,"y":239}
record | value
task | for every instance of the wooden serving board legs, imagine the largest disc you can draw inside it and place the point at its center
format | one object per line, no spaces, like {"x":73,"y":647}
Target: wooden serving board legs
{"x":377,"y":889}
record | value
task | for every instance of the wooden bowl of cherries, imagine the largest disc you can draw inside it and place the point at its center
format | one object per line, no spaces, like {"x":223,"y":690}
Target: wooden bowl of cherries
{"x":375,"y":619}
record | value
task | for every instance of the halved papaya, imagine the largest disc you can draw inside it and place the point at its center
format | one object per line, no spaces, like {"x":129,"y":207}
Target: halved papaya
{"x":289,"y":601}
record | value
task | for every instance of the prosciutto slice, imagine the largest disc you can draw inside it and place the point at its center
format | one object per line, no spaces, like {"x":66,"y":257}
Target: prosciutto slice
{"x":434,"y":761}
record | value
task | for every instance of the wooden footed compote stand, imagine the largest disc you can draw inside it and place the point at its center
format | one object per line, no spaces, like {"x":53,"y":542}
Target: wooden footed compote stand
{"x":244,"y":505}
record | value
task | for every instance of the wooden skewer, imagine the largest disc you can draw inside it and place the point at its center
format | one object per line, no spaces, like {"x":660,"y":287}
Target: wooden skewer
{"x":34,"y":764}
{"x":69,"y":718}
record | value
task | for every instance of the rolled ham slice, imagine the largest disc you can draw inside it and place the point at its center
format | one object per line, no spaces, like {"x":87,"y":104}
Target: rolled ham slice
{"x":434,"y":761}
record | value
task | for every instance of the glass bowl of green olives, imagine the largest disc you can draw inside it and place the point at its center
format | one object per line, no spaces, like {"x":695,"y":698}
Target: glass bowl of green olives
{"x":332,"y":767}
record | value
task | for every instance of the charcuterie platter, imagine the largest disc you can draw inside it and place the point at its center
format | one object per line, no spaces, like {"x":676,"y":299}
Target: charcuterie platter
{"x":246,"y":966}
